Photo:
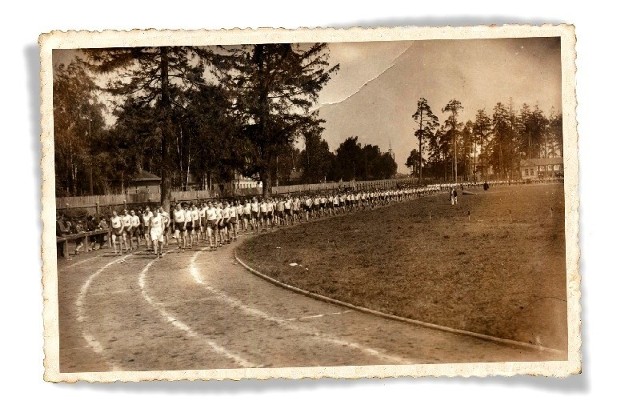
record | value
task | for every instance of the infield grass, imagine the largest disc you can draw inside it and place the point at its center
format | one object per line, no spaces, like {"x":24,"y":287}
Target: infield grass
{"x":493,"y":264}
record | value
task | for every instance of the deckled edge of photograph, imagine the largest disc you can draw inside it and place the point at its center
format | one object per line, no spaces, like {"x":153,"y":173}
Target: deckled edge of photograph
{"x":85,"y":39}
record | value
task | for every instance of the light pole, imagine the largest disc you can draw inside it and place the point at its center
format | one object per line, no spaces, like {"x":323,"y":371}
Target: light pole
{"x":90,"y":160}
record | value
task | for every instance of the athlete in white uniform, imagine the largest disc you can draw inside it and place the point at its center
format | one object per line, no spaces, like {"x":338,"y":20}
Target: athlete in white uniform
{"x":188,"y":226}
{"x":255,"y":214}
{"x":232,"y":228}
{"x":240,"y":215}
{"x":223,"y":221}
{"x":271,"y":206}
{"x":263,"y":214}
{"x":117,"y":231}
{"x":203,"y":221}
{"x":166,"y":218}
{"x":135,"y":228}
{"x":180,"y":226}
{"x":246,"y":215}
{"x":288,"y":212}
{"x":126,"y":223}
{"x":296,"y":210}
{"x":211,"y":216}
{"x":146,"y":220}
{"x":195,"y":220}
{"x":156,"y":232}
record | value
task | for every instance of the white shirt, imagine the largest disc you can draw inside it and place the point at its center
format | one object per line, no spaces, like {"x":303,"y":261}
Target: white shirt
{"x":116,"y":222}
{"x":178,"y":216}
{"x":157,"y":222}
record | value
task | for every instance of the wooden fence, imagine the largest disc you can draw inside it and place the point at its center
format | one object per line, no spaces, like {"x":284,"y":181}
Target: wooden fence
{"x":97,"y":204}
{"x":329,"y":186}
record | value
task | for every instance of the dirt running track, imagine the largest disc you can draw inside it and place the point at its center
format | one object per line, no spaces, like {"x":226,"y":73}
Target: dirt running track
{"x":201,"y":310}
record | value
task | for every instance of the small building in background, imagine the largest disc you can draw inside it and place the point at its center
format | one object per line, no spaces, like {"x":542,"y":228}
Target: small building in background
{"x":144,"y":182}
{"x":242,"y":182}
{"x":540,"y":168}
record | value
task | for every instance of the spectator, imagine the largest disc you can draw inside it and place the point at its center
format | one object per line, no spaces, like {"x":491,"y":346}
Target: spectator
{"x":76,"y":229}
{"x":61,"y":231}
{"x":91,"y":226}
{"x":62,"y":228}
{"x":103,"y":225}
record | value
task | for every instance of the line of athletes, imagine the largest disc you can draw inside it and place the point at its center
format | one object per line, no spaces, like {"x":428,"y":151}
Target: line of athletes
{"x":219,"y":222}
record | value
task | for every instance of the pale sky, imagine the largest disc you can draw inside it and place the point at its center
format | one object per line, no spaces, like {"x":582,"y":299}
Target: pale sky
{"x":377,"y":88}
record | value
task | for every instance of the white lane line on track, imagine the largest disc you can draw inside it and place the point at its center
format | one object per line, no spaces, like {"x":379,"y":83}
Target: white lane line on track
{"x":79,"y":262}
{"x":95,"y":345}
{"x":240,"y":361}
{"x":237,"y":303}
{"x":319,"y":315}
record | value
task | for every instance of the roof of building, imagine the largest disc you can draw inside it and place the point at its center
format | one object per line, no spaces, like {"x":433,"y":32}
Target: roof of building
{"x":145,"y":176}
{"x":540,"y":161}
{"x":295,"y":174}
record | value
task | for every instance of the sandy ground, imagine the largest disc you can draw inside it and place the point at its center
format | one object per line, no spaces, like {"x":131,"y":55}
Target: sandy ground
{"x":201,"y":310}
{"x":494,"y":264}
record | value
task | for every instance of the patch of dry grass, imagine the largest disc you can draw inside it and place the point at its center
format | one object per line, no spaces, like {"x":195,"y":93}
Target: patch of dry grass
{"x":500,"y":272}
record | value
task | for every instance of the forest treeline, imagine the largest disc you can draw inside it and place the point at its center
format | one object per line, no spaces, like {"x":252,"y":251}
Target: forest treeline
{"x":494,"y":142}
{"x":197,"y":116}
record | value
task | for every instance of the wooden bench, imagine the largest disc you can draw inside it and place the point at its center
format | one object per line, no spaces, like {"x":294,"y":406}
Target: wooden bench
{"x":84,"y":236}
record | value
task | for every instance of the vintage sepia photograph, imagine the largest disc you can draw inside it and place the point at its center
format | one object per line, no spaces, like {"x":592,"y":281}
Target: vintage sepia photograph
{"x":310,"y":203}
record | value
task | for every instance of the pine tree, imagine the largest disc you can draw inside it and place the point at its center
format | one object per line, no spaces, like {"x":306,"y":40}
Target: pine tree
{"x":482,"y":132}
{"x":454,"y":107}
{"x":427,"y":126}
{"x":158,"y":77}
{"x":276,"y":86}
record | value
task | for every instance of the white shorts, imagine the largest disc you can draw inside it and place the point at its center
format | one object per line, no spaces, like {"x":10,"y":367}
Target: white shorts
{"x":156,"y":235}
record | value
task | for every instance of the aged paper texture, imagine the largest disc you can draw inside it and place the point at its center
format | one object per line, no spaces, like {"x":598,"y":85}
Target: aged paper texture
{"x":344,"y":203}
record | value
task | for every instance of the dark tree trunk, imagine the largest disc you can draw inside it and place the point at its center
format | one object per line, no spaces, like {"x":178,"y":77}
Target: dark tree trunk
{"x":265,"y":177}
{"x":165,"y":168}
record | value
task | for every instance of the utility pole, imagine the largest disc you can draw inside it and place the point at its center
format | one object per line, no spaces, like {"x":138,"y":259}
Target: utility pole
{"x":420,"y":149}
{"x":90,"y":162}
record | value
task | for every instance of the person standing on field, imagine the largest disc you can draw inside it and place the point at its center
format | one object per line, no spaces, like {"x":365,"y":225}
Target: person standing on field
{"x":188,"y":225}
{"x":156,"y":232}
{"x":146,"y":221}
{"x":117,"y":231}
{"x":232,"y":225}
{"x":126,"y":222}
{"x":166,"y":219}
{"x":135,"y":229}
{"x":180,"y":227}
